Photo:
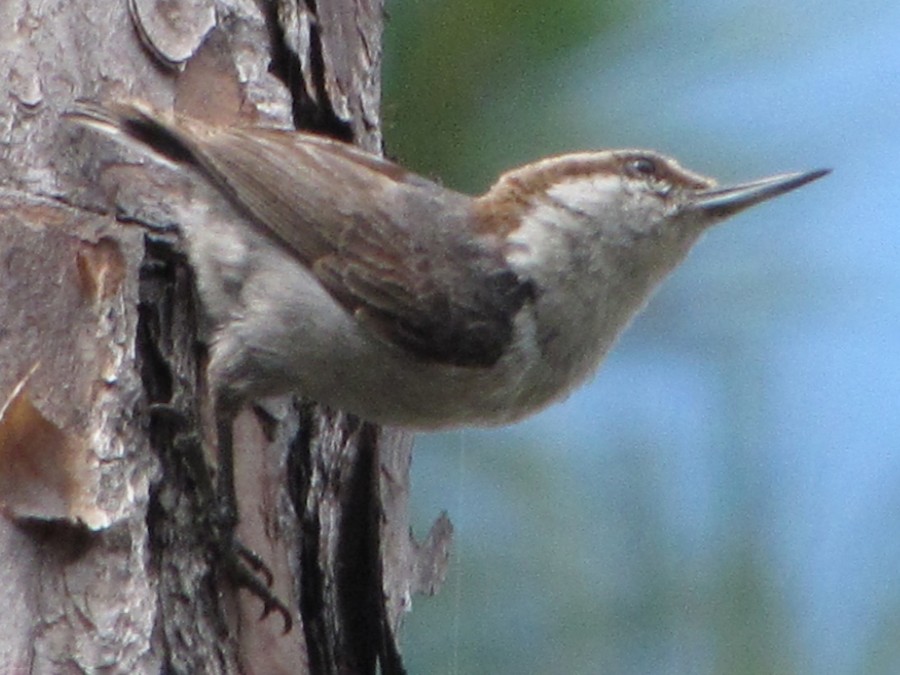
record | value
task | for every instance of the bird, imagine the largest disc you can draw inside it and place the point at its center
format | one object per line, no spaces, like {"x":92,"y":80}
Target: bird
{"x":361,"y":285}
{"x":349,"y":280}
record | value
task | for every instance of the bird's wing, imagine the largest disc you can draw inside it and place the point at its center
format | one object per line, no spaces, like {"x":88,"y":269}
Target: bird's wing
{"x":395,"y":250}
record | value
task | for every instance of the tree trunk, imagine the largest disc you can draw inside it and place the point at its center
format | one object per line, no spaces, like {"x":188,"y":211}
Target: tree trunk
{"x":104,"y":558}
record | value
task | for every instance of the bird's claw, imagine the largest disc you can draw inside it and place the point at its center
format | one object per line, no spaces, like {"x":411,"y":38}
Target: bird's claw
{"x":243,"y":565}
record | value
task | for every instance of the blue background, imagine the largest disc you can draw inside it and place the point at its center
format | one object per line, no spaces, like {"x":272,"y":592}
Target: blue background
{"x":724,"y":495}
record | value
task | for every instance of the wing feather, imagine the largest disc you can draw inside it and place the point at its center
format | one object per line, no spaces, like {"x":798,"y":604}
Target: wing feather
{"x":398,"y":252}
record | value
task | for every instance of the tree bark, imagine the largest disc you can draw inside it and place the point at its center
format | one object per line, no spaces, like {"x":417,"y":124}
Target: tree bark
{"x":104,"y":557}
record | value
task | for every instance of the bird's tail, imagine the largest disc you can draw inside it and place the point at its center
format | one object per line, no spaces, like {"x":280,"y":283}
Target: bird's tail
{"x":133,"y":123}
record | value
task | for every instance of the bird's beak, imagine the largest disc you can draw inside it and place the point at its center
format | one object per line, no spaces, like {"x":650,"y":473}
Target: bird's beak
{"x":722,"y":202}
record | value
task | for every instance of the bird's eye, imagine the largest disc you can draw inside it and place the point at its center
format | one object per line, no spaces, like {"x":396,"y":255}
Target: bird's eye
{"x":642,"y":167}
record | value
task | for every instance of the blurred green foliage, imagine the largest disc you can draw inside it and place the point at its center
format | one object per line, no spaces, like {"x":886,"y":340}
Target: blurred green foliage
{"x":470,"y":84}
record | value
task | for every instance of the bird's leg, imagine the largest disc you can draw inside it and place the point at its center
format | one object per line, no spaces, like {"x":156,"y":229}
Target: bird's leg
{"x":242,"y":565}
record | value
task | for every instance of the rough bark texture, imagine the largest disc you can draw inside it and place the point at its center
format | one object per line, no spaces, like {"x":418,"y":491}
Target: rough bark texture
{"x":104,"y":563}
